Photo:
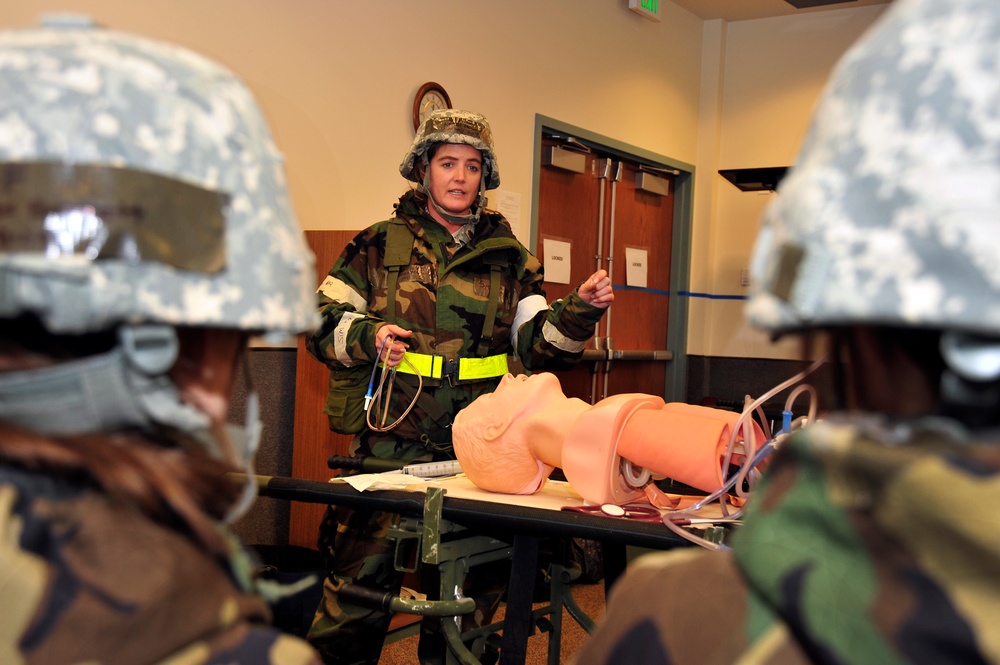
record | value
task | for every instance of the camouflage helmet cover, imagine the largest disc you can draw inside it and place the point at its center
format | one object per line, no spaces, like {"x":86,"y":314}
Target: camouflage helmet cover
{"x":80,"y":95}
{"x":453,"y":126}
{"x":891,"y":214}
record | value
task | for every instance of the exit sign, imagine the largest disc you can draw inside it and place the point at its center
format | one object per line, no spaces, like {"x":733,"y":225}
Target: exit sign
{"x":648,"y":8}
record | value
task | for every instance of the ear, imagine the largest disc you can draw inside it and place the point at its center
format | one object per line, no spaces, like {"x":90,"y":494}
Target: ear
{"x":495,"y":429}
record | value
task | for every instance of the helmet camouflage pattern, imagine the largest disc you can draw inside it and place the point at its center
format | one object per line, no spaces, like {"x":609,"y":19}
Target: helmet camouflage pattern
{"x":453,"y":126}
{"x":891,"y":215}
{"x":140,"y":184}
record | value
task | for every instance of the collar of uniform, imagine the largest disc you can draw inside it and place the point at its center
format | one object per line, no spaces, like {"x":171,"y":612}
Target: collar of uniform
{"x":414,"y":206}
{"x":464,"y":235}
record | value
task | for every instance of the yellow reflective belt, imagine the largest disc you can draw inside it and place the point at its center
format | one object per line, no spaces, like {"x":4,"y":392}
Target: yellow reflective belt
{"x":482,"y":368}
{"x":429,"y":366}
{"x":469,"y":369}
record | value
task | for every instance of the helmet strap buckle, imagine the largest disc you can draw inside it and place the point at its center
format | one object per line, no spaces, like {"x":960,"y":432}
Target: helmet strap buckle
{"x":151,"y":349}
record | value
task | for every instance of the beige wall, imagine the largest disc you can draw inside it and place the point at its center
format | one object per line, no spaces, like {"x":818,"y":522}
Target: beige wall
{"x":336,"y":80}
{"x":770,"y":75}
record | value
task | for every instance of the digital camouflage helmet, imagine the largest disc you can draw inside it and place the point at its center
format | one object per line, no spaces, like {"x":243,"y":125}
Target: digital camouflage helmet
{"x":140,"y":185}
{"x":452,"y":126}
{"x":140,"y":191}
{"x":891,"y":214}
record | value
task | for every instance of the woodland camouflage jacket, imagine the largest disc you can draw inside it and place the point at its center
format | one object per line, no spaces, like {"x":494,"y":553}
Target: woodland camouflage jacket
{"x":86,"y":578}
{"x":868,"y":543}
{"x":442,"y":297}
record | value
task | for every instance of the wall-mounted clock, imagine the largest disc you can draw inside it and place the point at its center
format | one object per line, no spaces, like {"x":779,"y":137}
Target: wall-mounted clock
{"x":430,"y":97}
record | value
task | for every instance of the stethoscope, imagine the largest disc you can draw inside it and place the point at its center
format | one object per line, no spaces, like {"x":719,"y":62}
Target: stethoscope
{"x":382,"y":396}
{"x":638,"y":512}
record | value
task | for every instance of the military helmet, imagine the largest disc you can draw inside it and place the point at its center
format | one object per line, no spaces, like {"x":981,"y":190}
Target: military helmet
{"x":453,"y":126}
{"x":891,"y":213}
{"x":139,"y":183}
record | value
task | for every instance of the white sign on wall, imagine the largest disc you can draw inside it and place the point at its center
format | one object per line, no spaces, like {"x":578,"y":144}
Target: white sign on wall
{"x":557,"y":260}
{"x":509,"y":205}
{"x":636,"y":266}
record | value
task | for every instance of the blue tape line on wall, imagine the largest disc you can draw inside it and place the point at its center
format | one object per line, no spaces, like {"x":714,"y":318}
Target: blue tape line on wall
{"x":684,"y":294}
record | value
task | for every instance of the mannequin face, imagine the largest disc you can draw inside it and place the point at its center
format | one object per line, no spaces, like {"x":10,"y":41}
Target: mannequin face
{"x":493,"y":435}
{"x":521,"y":395}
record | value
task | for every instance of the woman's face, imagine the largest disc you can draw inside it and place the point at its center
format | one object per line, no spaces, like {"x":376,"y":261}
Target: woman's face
{"x":455,"y":172}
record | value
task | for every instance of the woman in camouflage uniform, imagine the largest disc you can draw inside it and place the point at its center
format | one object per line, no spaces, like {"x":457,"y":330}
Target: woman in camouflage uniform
{"x":467,"y":295}
{"x":873,"y":537}
{"x":135,"y":261}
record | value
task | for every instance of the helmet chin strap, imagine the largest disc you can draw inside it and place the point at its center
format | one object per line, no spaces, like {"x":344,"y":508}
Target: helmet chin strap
{"x":128,"y":387}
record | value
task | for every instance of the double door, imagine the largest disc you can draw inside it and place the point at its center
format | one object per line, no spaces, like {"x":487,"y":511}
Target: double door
{"x":614,"y":213}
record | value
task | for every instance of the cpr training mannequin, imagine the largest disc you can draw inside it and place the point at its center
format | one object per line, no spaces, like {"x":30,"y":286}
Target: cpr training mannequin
{"x":510,"y":441}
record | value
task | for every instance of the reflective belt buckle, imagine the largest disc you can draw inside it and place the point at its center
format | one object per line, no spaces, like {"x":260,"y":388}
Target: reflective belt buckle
{"x":450,"y":369}
{"x":456,"y":371}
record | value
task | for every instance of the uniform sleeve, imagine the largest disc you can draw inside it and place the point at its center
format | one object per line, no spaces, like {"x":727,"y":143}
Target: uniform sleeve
{"x":346,"y":334}
{"x":550,"y":336}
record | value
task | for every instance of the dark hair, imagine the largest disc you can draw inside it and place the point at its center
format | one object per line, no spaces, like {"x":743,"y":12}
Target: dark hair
{"x":175,"y":484}
{"x":25,"y":335}
{"x":183,"y":489}
{"x":887,"y":369}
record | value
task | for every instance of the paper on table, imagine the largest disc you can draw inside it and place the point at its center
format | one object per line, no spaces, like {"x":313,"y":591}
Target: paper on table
{"x":380,"y":481}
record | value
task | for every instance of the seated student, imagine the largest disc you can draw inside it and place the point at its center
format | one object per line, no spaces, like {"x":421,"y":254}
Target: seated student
{"x":511,"y":440}
{"x":872,"y":538}
{"x":137,"y":257}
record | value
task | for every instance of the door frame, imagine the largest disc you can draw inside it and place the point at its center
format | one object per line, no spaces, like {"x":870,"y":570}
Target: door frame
{"x":680,"y":267}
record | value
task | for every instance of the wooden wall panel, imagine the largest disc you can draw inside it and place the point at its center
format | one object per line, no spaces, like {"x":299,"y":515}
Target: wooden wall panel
{"x":313,"y":441}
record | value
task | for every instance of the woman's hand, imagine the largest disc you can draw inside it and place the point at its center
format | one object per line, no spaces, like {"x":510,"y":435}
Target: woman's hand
{"x":392,"y":354}
{"x":596,"y":290}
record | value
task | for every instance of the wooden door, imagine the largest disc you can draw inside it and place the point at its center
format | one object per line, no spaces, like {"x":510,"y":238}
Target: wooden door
{"x":600,"y":203}
{"x":572,"y":194}
{"x":640,"y":221}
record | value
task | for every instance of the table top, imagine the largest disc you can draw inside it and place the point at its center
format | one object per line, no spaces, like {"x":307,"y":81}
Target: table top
{"x":538,"y":514}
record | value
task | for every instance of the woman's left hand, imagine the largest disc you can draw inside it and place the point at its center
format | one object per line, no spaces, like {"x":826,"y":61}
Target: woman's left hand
{"x":596,"y":290}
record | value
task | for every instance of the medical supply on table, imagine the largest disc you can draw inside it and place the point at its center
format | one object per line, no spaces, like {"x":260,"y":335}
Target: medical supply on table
{"x":387,"y":465}
{"x":633,"y":511}
{"x":431,"y":469}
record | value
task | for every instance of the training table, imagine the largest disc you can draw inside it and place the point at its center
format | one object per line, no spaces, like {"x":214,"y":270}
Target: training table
{"x":454,"y":524}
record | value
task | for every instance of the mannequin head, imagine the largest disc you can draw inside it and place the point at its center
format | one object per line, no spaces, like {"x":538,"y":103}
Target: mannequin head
{"x":510,"y":440}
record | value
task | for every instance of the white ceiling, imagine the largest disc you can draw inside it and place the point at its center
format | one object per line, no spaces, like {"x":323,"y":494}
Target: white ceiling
{"x":742,"y":10}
